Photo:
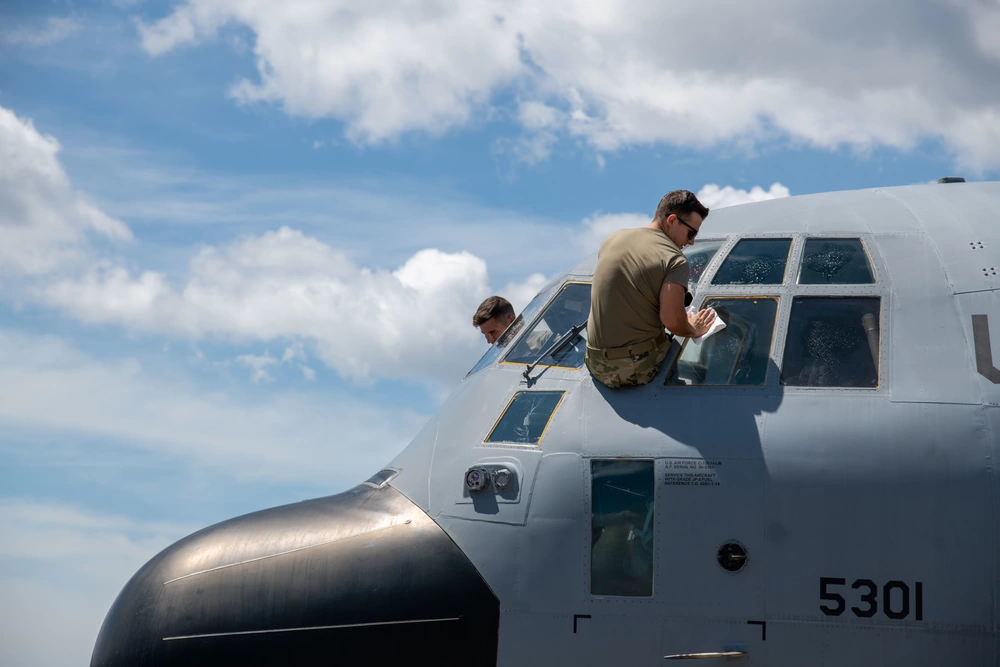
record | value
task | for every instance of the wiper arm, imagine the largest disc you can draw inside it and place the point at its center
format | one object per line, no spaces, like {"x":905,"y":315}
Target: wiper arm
{"x":555,"y":347}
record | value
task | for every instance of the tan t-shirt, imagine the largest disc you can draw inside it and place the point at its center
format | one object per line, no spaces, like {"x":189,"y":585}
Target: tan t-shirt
{"x":632,"y":266}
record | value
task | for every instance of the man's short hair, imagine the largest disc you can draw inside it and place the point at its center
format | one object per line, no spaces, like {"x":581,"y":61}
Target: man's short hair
{"x":679,"y":202}
{"x":495,"y":306}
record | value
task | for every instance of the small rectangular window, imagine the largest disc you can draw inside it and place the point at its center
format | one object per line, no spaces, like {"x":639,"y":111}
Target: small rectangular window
{"x":621,"y":552}
{"x":835,"y":262}
{"x":739,"y":354}
{"x":754,"y":262}
{"x":832,"y":342}
{"x":526,"y":417}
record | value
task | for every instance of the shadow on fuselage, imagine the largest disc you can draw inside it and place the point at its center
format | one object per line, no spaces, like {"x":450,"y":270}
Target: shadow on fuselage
{"x":714,"y":420}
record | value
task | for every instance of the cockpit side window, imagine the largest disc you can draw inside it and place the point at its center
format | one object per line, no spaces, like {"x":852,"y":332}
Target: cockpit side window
{"x":514,"y":329}
{"x":526,"y":417}
{"x":569,"y":308}
{"x":622,"y":527}
{"x":754,"y":262}
{"x":698,"y":257}
{"x":736,"y":355}
{"x":835,"y":262}
{"x":832,"y":342}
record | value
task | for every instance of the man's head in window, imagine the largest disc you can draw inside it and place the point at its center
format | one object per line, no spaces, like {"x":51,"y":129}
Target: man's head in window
{"x":493,"y":317}
{"x":680,"y":214}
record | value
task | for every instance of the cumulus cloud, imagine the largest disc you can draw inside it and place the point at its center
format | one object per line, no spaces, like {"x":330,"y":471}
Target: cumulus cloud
{"x":862,"y":73}
{"x":713,"y":196}
{"x":44,"y":222}
{"x":371,"y":65}
{"x":284,"y":285}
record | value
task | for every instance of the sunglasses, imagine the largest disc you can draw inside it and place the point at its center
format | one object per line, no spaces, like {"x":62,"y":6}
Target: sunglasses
{"x":692,"y":232}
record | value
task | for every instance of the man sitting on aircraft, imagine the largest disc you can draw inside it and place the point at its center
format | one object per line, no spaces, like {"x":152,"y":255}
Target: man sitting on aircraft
{"x":493,"y":317}
{"x":639,"y":287}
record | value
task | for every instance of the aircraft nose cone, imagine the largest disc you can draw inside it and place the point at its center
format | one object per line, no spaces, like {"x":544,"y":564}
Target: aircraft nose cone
{"x":351,"y":578}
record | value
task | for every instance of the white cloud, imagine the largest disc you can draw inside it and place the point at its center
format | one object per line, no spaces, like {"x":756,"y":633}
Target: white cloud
{"x":371,"y":65}
{"x":258,"y":366}
{"x":56,"y":29}
{"x":863,"y":74}
{"x":284,"y":285}
{"x":49,"y":387}
{"x":44,"y":223}
{"x":294,"y":352}
{"x":63,"y":566}
{"x":713,"y":196}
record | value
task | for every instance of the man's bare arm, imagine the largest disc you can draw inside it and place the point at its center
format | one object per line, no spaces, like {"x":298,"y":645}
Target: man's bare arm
{"x":675,"y":318}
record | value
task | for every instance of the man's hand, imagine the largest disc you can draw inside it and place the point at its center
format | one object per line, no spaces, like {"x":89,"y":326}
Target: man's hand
{"x":701,"y":321}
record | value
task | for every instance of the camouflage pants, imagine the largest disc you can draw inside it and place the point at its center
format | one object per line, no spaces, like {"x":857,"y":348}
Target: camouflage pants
{"x":628,"y":370}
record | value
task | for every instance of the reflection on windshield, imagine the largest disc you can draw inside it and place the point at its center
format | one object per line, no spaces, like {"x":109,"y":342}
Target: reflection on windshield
{"x":514,"y":329}
{"x":739,"y":353}
{"x":570,"y":307}
{"x":698,"y":257}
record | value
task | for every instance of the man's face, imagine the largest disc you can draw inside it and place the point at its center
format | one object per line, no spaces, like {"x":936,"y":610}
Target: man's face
{"x":493,"y":327}
{"x":683,"y":228}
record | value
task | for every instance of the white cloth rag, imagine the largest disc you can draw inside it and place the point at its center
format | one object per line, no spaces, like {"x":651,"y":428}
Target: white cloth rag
{"x":717,"y":324}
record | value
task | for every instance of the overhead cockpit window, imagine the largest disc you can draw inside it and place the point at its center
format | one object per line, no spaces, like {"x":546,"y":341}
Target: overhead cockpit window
{"x":835,"y":262}
{"x":622,"y":527}
{"x":832,"y":342}
{"x":569,"y":308}
{"x":515,"y":328}
{"x":739,"y":353}
{"x":754,"y":262}
{"x":526,"y":417}
{"x":698,"y":257}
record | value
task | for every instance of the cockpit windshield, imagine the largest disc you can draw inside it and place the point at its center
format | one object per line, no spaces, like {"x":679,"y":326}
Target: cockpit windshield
{"x":514,"y":329}
{"x":569,"y":308}
{"x":739,"y":353}
{"x":698,"y":257}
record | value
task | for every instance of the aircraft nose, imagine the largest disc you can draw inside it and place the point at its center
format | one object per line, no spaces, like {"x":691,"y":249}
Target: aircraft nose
{"x":347,"y":579}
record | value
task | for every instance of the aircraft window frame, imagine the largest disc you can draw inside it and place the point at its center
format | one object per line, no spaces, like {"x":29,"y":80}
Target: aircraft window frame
{"x":727,"y":249}
{"x":881,"y":367}
{"x":530,"y":327}
{"x":786,"y":292}
{"x":503,"y":413}
{"x":649,"y":466}
{"x":775,"y":330}
{"x":713,"y":262}
{"x":865,"y":248}
{"x":496,"y":352}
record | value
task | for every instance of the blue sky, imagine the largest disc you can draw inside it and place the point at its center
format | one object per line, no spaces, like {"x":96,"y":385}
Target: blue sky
{"x":241,"y":242}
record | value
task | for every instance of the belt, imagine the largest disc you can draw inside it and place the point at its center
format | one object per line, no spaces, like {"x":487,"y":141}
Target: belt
{"x":633,"y":350}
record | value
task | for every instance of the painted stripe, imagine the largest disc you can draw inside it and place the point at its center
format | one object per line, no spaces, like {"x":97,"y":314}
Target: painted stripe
{"x":317,"y":627}
{"x":290,"y":551}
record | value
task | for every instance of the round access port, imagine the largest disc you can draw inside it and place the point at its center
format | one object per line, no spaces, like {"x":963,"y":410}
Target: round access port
{"x":732,"y":556}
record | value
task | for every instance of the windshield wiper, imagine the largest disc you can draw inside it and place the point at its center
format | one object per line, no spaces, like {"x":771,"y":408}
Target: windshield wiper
{"x":555,"y":347}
